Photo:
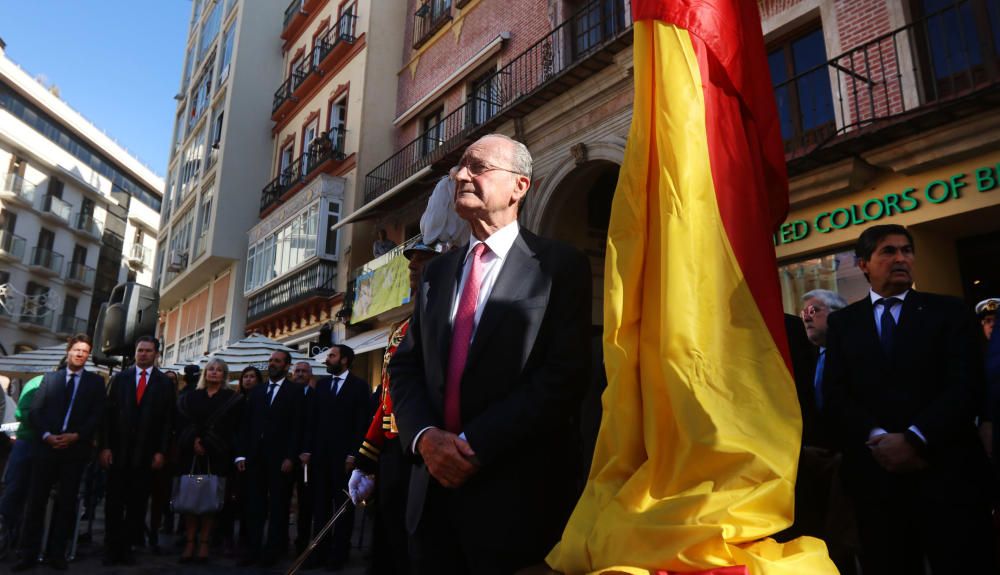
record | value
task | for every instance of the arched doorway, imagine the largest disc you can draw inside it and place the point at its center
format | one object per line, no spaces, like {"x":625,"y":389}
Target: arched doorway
{"x":577,"y":211}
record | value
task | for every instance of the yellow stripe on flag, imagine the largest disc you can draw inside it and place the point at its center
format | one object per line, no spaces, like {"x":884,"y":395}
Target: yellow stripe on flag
{"x":697,"y":450}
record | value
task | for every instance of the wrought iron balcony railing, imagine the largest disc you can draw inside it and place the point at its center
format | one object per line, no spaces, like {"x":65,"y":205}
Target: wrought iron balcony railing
{"x":340,"y":33}
{"x":318,"y":279}
{"x":294,"y":7}
{"x":595,"y":26}
{"x":11,"y":246}
{"x":329,"y":146}
{"x":429,"y":18}
{"x":943,"y":56}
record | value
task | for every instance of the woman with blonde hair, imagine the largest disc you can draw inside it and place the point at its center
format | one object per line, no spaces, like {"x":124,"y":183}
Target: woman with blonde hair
{"x":208,"y":420}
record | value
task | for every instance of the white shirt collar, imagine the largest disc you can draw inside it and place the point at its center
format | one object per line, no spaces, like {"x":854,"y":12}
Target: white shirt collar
{"x":499,"y":243}
{"x":875,"y":297}
{"x":76,"y":373}
{"x":277,"y":383}
{"x":342,"y":376}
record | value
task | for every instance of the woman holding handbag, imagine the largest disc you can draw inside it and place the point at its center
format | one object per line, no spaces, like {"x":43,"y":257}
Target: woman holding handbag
{"x":208,"y":419}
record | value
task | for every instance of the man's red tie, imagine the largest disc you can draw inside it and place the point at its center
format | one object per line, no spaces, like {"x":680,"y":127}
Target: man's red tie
{"x":465,"y":320}
{"x":141,"y":389}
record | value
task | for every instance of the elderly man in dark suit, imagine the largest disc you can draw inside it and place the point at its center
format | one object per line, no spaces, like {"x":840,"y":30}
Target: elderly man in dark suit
{"x":267,"y":446}
{"x":134,"y":441}
{"x":487,"y":383}
{"x":903,"y":382}
{"x":340,"y":413}
{"x":65,"y":414}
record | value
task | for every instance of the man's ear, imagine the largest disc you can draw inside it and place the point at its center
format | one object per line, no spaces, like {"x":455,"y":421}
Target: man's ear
{"x":522,"y":184}
{"x":863,"y":266}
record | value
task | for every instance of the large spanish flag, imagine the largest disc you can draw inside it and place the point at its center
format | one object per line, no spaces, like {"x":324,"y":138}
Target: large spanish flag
{"x":697,"y":451}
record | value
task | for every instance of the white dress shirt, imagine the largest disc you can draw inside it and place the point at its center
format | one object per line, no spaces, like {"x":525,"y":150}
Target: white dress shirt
{"x":138,"y":375}
{"x":340,"y":384}
{"x":277,"y":388}
{"x":72,"y":400}
{"x":895,"y":311}
{"x":499,"y":245}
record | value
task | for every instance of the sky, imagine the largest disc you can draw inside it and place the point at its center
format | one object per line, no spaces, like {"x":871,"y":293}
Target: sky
{"x":116,"y":62}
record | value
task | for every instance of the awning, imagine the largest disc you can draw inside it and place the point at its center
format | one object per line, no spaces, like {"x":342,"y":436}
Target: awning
{"x":362,"y":343}
{"x":368,"y":210}
{"x":40,"y":360}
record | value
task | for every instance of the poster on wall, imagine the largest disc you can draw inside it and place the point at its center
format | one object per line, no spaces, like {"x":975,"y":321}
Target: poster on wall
{"x":381,"y":289}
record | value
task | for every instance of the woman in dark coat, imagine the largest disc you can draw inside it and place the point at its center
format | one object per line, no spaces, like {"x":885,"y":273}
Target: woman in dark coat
{"x":209,"y":417}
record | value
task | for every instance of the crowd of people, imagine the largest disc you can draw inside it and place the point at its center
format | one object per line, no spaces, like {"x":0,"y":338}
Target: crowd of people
{"x":474,"y":447}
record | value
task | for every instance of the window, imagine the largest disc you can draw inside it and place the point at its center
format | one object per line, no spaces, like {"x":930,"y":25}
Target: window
{"x":161,"y":254}
{"x":596,"y":22}
{"x":285,"y":162}
{"x":204,"y":223}
{"x":484,"y":98}
{"x":168,"y":354}
{"x":836,"y":272}
{"x":55,"y":188}
{"x":958,"y":45}
{"x":180,"y":241}
{"x":215,"y":334}
{"x":350,"y":10}
{"x":227,"y":52}
{"x":802,"y":88}
{"x":318,"y":49}
{"x":337,"y":123}
{"x":209,"y":29}
{"x":178,"y":132}
{"x":332,"y":236}
{"x":433,"y":135}
{"x":188,"y":67}
{"x":199,"y":97}
{"x":191,"y":166}
{"x":283,"y":250}
{"x":429,"y":17}
{"x":308,"y":136}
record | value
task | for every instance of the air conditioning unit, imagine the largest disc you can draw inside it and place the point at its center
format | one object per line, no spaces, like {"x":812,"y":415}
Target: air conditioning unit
{"x":178,"y":261}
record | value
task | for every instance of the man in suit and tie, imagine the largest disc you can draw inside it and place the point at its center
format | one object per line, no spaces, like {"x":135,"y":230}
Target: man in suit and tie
{"x":65,"y":414}
{"x":487,"y":384}
{"x":903,"y":381}
{"x":302,"y":375}
{"x":134,"y":441}
{"x":268,"y":443}
{"x":340,"y":415}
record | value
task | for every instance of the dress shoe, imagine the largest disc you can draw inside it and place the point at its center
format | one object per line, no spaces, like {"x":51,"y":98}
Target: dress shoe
{"x":58,"y":563}
{"x":24,"y":565}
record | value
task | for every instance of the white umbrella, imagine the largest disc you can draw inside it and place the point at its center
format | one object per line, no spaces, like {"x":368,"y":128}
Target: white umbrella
{"x":40,"y":360}
{"x":254,"y":350}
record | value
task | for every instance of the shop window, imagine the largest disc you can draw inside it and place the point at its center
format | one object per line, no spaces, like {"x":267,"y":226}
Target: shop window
{"x":837,"y":272}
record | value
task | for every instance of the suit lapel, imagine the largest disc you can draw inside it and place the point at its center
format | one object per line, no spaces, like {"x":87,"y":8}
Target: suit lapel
{"x":512,"y":288}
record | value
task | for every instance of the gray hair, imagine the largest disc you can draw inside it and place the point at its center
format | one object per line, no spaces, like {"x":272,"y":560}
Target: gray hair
{"x":830,"y":299}
{"x":211,"y":362}
{"x":520,"y":157}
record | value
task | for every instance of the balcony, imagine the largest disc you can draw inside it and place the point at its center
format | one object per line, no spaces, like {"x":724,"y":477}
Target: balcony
{"x":36,"y":319}
{"x":45,"y":262}
{"x":317,"y":280}
{"x":296,"y":15}
{"x":139,"y":257}
{"x":329,"y":48}
{"x":322,"y":152}
{"x":568,"y":55}
{"x":928,"y":73}
{"x":11,"y":247}
{"x":55,"y":209}
{"x":84,"y":224}
{"x":430,"y":17}
{"x":18,"y":191}
{"x":80,"y":275}
{"x":69,"y":325}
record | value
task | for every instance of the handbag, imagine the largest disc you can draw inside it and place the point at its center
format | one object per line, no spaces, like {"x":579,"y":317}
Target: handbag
{"x":198,"y":494}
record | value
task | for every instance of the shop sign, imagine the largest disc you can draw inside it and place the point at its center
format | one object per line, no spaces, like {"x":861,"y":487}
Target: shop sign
{"x":874,"y":209}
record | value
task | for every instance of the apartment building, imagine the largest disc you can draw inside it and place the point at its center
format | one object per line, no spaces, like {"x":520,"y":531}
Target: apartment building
{"x":889,"y":112}
{"x":331,"y":114}
{"x":554,"y":74}
{"x":220,"y":152}
{"x":78,"y":215}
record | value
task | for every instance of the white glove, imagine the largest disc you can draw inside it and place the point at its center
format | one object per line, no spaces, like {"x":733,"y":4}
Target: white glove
{"x":360,"y":486}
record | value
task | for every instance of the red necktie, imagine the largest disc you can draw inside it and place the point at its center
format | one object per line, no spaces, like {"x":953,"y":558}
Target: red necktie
{"x":141,"y":389}
{"x":465,"y":320}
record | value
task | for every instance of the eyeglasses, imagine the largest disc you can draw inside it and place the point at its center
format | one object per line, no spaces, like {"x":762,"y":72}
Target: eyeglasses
{"x":477,"y":168}
{"x":811,"y":310}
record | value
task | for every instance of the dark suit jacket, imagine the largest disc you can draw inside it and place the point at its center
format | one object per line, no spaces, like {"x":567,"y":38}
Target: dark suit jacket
{"x":272,"y":432}
{"x":804,"y":355}
{"x":525,"y":376}
{"x":337,"y":422}
{"x":49,"y":407}
{"x":933,"y":379}
{"x":133,"y":432}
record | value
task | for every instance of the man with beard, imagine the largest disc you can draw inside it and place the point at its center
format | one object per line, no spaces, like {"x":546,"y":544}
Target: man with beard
{"x":339,"y":416}
{"x":267,"y":446}
{"x":381,"y":456}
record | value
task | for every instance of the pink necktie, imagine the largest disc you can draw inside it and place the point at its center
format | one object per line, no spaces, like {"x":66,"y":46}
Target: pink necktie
{"x":465,"y":320}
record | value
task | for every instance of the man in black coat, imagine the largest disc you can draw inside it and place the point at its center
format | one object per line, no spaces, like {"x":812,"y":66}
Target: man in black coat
{"x":903,"y":382}
{"x":134,"y":441}
{"x":487,"y":384}
{"x":65,"y":414}
{"x":340,"y":413}
{"x":268,"y":443}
